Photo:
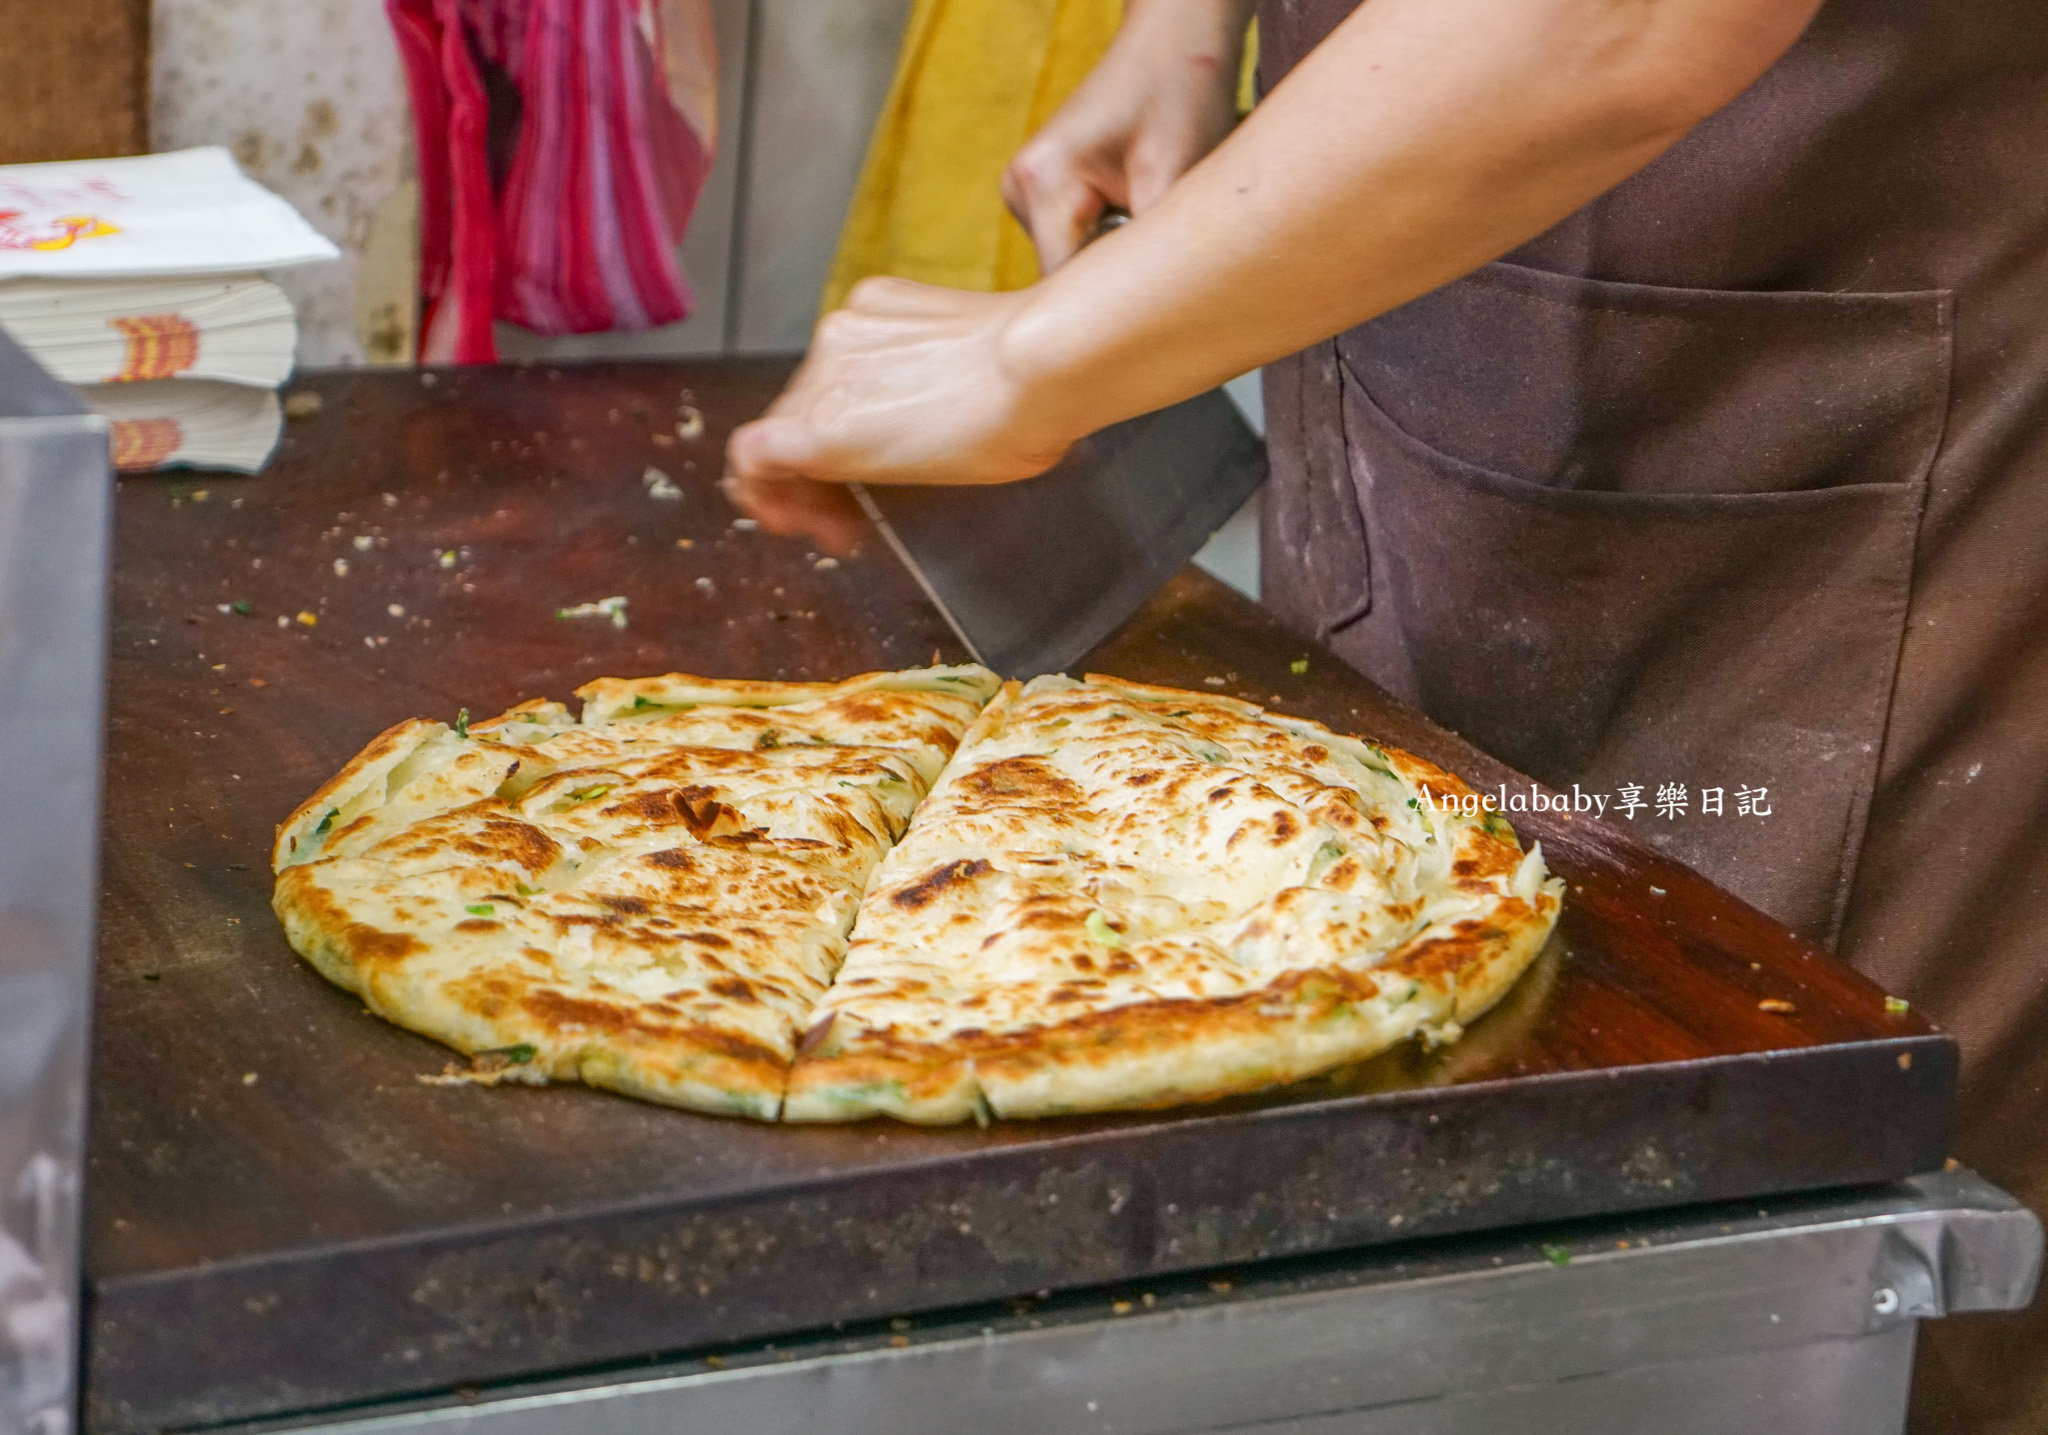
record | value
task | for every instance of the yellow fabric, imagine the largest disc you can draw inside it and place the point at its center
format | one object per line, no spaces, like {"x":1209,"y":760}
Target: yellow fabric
{"x":1248,"y":76}
{"x":975,"y":79}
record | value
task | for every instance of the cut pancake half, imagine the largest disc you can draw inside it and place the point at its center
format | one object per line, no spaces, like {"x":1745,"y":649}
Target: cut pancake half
{"x":1128,"y":896}
{"x":651,"y":896}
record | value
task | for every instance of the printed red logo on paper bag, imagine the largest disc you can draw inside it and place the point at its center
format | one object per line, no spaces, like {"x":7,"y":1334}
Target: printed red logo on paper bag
{"x":17,"y":231}
{"x":145,"y":443}
{"x":160,"y":346}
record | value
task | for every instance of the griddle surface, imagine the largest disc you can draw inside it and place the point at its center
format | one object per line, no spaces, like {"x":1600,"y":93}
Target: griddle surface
{"x":282,"y":1218}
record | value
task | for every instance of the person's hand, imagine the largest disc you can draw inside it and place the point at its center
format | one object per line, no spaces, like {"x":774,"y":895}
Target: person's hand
{"x":1163,"y":96}
{"x":909,"y":383}
{"x":825,"y":513}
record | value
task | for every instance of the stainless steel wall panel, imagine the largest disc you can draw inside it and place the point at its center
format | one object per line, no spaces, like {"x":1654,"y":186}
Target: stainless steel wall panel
{"x":821,"y":74}
{"x":54,"y":489}
{"x":801,"y":83}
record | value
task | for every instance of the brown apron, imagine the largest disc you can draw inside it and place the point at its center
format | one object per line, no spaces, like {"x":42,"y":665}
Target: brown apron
{"x":1737,"y":480}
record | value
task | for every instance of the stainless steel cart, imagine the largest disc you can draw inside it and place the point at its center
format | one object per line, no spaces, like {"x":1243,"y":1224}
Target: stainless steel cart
{"x":1709,"y":1322}
{"x":293,"y":1233}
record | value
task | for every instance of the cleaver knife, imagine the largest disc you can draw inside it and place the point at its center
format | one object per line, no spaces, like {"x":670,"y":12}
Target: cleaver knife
{"x":1031,"y":575}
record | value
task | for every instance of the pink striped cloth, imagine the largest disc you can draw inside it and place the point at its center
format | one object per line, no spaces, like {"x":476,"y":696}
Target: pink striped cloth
{"x":560,"y":154}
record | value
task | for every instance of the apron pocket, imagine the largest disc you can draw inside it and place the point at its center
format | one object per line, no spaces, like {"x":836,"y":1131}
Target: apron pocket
{"x":1632,"y":388}
{"x":1612,"y":624}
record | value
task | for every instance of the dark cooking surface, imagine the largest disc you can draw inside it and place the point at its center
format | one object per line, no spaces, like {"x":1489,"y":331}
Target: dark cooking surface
{"x":283,"y":1218}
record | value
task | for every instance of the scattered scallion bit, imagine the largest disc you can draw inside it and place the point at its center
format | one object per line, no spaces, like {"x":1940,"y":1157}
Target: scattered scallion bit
{"x":1101,"y":931}
{"x":462,"y":723}
{"x":613,"y":608}
{"x":591,"y":794}
{"x":1557,"y":1255}
{"x":238,"y":866}
{"x":481,"y":909}
{"x":1298,"y":666}
{"x":1896,"y":1006}
{"x":518,"y":1055}
{"x":327,"y":821}
{"x":522,"y":889}
{"x":241,"y":606}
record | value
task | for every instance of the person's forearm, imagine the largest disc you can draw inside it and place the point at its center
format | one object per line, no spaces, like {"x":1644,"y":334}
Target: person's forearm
{"x":1422,"y":139}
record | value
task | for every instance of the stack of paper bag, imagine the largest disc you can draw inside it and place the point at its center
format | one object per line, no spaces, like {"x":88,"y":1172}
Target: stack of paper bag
{"x":137,"y":280}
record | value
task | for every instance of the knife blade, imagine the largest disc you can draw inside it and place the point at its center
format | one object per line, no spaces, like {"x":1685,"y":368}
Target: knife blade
{"x":1033,"y":574}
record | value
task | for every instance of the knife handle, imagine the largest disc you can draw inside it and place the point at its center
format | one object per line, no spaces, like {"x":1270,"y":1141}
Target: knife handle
{"x":1111,"y":218}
